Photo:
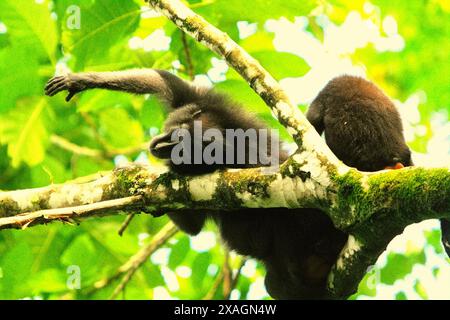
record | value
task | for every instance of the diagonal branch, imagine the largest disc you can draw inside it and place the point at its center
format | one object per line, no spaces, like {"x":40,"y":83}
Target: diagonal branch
{"x":136,"y":261}
{"x":251,"y":70}
{"x":94,"y":153}
{"x":129,"y":268}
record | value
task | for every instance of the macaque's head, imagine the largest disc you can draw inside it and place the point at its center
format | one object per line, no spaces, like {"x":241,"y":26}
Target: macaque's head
{"x":200,"y":139}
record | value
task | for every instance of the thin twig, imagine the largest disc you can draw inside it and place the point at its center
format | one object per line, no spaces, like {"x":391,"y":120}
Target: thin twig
{"x":136,"y":261}
{"x":187,"y":53}
{"x":74,"y":148}
{"x":88,"y":178}
{"x":235,"y":280}
{"x":91,"y":123}
{"x":94,"y":153}
{"x":158,"y":240}
{"x":24,"y":219}
{"x":227,"y":274}
{"x":111,"y":153}
{"x":224,"y":276}
{"x":215,"y":286}
{"x":125,"y":224}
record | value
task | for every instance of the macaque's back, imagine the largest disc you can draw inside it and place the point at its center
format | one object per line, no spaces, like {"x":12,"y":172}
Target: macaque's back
{"x":362,"y":126}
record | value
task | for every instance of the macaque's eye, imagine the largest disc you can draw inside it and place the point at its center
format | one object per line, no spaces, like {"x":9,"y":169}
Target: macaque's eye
{"x":196,"y":114}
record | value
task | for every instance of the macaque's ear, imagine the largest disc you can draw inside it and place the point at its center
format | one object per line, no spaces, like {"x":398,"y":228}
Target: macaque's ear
{"x":161,"y":146}
{"x":396,"y":166}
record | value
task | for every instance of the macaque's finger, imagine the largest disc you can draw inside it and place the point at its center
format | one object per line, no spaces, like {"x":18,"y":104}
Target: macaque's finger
{"x":50,"y":88}
{"x":57,"y":87}
{"x":70,"y":95}
{"x":52,"y":81}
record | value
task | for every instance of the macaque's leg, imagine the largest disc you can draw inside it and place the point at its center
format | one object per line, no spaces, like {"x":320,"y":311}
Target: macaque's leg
{"x":140,"y":81}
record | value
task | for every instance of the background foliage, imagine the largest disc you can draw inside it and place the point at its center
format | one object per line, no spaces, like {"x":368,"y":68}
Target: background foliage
{"x":401,"y":45}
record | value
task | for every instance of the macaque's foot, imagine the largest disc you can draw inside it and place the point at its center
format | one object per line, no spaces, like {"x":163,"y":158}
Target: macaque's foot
{"x":69,"y":82}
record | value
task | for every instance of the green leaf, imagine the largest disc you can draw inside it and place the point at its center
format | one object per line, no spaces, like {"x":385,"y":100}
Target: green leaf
{"x":153,"y":275}
{"x":126,"y":245}
{"x":228,"y":12}
{"x":368,"y":284}
{"x":399,"y":265}
{"x":282,"y":64}
{"x":95,"y":100}
{"x":199,"y":268}
{"x":16,"y":266}
{"x":50,"y":280}
{"x":4,"y":40}
{"x":401,"y":296}
{"x":200,"y":55}
{"x":48,"y":242}
{"x":273,"y":123}
{"x":434,"y":239}
{"x":49,"y":171}
{"x":86,"y":166}
{"x":148,"y":25}
{"x":179,"y":252}
{"x":103,"y":24}
{"x":420,"y":289}
{"x":426,"y":40}
{"x":241,"y":93}
{"x":153,"y":113}
{"x":119,"y":57}
{"x":260,"y":41}
{"x":84,"y":254}
{"x":30,"y":24}
{"x":23,"y":130}
{"x":19,"y":76}
{"x":119,"y":129}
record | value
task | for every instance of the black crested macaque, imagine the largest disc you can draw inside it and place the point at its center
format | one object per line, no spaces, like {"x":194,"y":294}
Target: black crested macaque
{"x":363,"y":129}
{"x":361,"y":124}
{"x":297,"y":246}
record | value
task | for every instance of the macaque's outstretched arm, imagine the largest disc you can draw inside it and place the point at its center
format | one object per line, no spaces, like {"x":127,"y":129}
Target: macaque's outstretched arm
{"x":140,"y":81}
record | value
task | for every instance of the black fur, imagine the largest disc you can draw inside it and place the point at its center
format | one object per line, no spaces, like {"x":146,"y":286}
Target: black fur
{"x":445,"y":229}
{"x":362,"y":126}
{"x":297,"y":246}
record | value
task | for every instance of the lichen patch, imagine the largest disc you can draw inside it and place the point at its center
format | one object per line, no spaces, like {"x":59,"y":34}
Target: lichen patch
{"x":203,"y":188}
{"x":175,"y":184}
{"x":351,"y":247}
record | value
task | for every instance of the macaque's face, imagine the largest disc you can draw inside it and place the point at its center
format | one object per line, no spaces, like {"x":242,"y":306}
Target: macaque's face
{"x":182,"y":140}
{"x":178,"y":123}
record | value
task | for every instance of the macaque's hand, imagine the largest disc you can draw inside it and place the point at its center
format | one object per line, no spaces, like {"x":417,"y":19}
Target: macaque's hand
{"x":70,"y":82}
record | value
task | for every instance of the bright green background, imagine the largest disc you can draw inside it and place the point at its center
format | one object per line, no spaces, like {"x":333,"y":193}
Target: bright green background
{"x":33,"y":263}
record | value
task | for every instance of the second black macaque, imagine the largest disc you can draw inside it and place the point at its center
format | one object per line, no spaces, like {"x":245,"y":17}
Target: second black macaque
{"x":297,"y":246}
{"x":361,"y":124}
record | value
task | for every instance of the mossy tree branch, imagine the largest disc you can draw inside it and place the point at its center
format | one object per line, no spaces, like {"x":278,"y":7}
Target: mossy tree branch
{"x":372,"y":208}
